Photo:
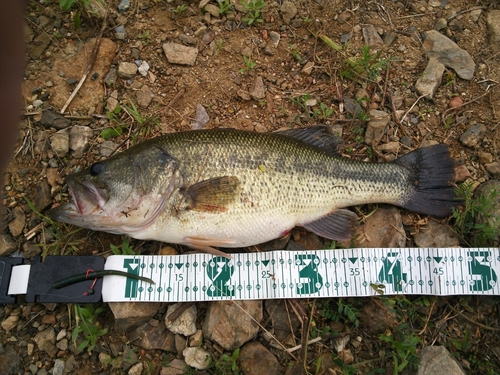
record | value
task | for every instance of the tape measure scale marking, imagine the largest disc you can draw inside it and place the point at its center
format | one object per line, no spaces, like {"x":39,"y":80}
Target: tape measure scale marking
{"x":296,"y":274}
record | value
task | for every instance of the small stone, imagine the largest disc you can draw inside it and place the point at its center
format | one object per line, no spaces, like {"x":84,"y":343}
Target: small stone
{"x":127,"y":70}
{"x":62,"y":345}
{"x":213,"y":10}
{"x":120,"y":32}
{"x":143,"y":68}
{"x":201,"y":118}
{"x":30,"y":250}
{"x":246,"y":51}
{"x":79,"y":137}
{"x":176,"y":367}
{"x":136,"y":369}
{"x":456,"y":25}
{"x":473,"y":135}
{"x":7,"y":245}
{"x":40,"y":43}
{"x":16,"y":226}
{"x":484,"y":157}
{"x":111,"y":104}
{"x":352,"y":107}
{"x":188,"y":39}
{"x":441,"y":24}
{"x":180,"y":54}
{"x":197,"y":358}
{"x":111,"y":77}
{"x":185,"y":324}
{"x":242,"y":94}
{"x":49,"y":319}
{"x":59,"y":143}
{"x":288,"y":11}
{"x":308,"y":67}
{"x":10,"y":322}
{"x":275,"y":38}
{"x":437,"y":360}
{"x":144,"y":96}
{"x":371,"y":36}
{"x":37,"y":103}
{"x":430,"y":80}
{"x":196,"y":339}
{"x":345,"y":16}
{"x":55,"y":120}
{"x":376,"y":126}
{"x":493,"y":169}
{"x":455,"y":102}
{"x":61,"y":334}
{"x":58,"y":368}
{"x":344,"y":38}
{"x":123,"y":6}
{"x":107,"y":147}
{"x":45,"y":341}
{"x":257,"y":90}
{"x":474,"y":15}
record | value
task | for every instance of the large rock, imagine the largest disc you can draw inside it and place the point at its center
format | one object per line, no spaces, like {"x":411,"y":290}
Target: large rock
{"x":230,"y":325}
{"x":437,"y":360}
{"x":493,"y":22}
{"x":129,"y":315}
{"x":255,"y":359}
{"x":449,"y":54}
{"x":384,"y":228}
{"x":435,"y":234}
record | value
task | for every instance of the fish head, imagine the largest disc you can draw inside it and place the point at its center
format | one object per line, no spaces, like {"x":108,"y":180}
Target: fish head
{"x":123,"y":194}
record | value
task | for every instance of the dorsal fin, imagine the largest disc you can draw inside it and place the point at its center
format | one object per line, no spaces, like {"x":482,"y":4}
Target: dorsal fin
{"x":319,"y":136}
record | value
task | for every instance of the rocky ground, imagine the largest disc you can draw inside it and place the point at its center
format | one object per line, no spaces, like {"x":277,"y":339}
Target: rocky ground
{"x":430,"y":76}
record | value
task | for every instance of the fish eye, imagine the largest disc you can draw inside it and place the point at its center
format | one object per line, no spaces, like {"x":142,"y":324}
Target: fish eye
{"x":96,"y":168}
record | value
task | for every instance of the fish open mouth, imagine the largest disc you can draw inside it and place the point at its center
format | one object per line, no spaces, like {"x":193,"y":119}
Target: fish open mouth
{"x":87,"y":197}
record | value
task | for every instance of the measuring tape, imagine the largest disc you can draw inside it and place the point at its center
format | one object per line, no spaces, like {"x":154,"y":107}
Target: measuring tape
{"x":305,"y":274}
{"x":276,"y":274}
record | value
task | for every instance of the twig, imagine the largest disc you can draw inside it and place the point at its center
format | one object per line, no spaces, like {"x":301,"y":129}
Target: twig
{"x":443,"y":116}
{"x":416,"y":15}
{"x":308,"y":343}
{"x":413,"y":105}
{"x":428,"y":318}
{"x":473,"y":321}
{"x":89,"y":66}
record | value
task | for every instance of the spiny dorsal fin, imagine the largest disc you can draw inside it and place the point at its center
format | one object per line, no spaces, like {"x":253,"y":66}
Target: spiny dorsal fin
{"x":215,"y":194}
{"x":317,"y":136}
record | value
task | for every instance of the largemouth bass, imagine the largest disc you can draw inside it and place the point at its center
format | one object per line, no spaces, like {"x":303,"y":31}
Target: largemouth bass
{"x":231,"y":188}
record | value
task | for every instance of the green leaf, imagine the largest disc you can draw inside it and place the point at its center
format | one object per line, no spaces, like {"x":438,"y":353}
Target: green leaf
{"x":111,"y":132}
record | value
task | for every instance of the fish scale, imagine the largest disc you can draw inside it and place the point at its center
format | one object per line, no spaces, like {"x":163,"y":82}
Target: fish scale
{"x":231,"y":188}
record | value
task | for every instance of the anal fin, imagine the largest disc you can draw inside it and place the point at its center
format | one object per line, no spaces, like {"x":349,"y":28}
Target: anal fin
{"x":338,"y":225}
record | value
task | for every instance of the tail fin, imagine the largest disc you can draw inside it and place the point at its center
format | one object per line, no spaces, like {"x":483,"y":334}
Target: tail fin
{"x":432,"y":175}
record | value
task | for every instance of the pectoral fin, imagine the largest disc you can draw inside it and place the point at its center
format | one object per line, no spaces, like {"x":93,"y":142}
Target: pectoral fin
{"x":215,"y":194}
{"x":205,"y":245}
{"x":338,"y":225}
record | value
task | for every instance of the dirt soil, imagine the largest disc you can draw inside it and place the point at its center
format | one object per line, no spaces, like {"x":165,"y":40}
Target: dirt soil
{"x":307,"y":82}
